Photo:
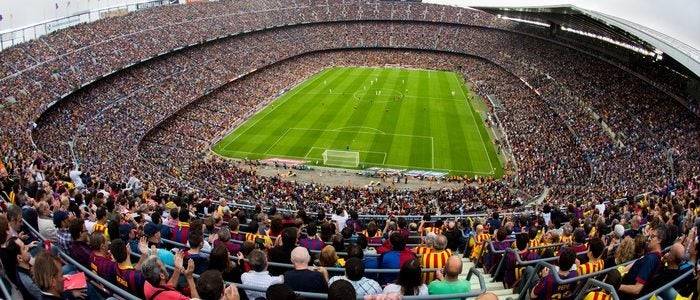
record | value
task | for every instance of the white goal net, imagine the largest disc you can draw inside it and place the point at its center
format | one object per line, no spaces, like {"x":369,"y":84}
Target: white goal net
{"x":338,"y":158}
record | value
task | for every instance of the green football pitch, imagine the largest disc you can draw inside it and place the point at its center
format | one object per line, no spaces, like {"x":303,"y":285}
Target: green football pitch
{"x":392,"y":117}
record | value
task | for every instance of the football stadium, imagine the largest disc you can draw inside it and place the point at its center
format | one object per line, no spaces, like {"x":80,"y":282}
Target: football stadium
{"x":349,"y":149}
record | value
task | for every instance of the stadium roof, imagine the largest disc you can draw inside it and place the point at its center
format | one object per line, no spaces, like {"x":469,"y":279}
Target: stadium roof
{"x":604,"y":25}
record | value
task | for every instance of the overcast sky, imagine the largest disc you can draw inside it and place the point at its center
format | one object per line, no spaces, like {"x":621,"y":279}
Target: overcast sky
{"x":679,"y":19}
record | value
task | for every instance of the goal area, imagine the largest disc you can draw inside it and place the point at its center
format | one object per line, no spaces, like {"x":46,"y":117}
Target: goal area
{"x":339,"y":158}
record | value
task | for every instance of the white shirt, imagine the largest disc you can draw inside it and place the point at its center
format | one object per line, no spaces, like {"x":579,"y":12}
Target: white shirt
{"x":340,"y":220}
{"x":601,"y":208}
{"x":364,"y":286}
{"x":259,"y":279}
{"x":47,"y":229}
{"x":395,"y":288}
{"x":75,"y":177}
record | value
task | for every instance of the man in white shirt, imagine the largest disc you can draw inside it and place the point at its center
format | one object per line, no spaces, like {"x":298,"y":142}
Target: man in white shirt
{"x":340,"y":217}
{"x":47,"y":228}
{"x":134,"y":184}
{"x":75,"y":177}
{"x":354,"y":273}
{"x":258,"y":275}
{"x":600,"y":207}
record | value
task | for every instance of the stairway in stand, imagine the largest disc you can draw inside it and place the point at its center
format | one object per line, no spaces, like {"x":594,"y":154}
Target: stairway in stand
{"x":494,"y":287}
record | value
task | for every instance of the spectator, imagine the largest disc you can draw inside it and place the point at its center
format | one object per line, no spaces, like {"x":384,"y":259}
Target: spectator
{"x":101,"y":261}
{"x":395,"y":258}
{"x":258,"y":275}
{"x":201,"y":260}
{"x":643,"y":269}
{"x":129,"y":276}
{"x":369,"y":258}
{"x":427,"y":245}
{"x":281,"y":291}
{"x":435,"y":259}
{"x":449,"y":283}
{"x":548,"y":288}
{"x":47,"y":228}
{"x":340,"y":218}
{"x":341,"y":290}
{"x":79,"y":249}
{"x":409,"y":281}
{"x":675,"y":266}
{"x":63,"y":236}
{"x":182,"y":230}
{"x":19,"y":269}
{"x":224,"y":239}
{"x":301,"y":278}
{"x":211,"y":286}
{"x":595,"y":263}
{"x":312,"y":240}
{"x":283,"y":251}
{"x":354,"y":273}
{"x":152,"y":232}
{"x":329,"y":258}
{"x":634,"y":228}
{"x":158,"y":286}
{"x":512,"y":273}
{"x":48,"y":276}
{"x":219,"y":260}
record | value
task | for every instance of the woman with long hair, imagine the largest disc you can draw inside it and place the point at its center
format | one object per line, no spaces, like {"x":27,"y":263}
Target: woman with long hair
{"x":409,"y":282}
{"x":219,"y":260}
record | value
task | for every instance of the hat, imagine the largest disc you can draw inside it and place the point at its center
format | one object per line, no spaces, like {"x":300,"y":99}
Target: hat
{"x":150,"y":229}
{"x":619,"y":230}
{"x":59,"y":217}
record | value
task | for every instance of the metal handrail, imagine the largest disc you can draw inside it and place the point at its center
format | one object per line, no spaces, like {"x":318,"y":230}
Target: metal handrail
{"x":110,"y":286}
{"x":502,"y":262}
{"x":330,"y":269}
{"x":597,"y":283}
{"x":667,"y":286}
{"x":5,"y":293}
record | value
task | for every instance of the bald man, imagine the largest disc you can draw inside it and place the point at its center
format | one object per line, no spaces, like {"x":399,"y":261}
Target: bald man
{"x":302,"y":278}
{"x":487,"y":296}
{"x":676,"y":265}
{"x":435,"y":259}
{"x":449,"y":282}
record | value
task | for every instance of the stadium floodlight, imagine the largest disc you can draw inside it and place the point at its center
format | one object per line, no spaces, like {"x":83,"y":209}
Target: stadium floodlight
{"x":339,"y":158}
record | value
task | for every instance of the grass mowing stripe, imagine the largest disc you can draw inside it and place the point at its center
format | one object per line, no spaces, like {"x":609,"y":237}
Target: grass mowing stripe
{"x":232,"y":137}
{"x":340,"y":105}
{"x":294,"y":109}
{"x":475,"y":116}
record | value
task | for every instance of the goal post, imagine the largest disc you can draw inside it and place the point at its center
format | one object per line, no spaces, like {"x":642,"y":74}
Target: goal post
{"x":339,"y":158}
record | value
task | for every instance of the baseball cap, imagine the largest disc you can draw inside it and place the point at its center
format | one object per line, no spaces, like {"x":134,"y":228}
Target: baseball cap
{"x":124,"y":230}
{"x":150,"y":229}
{"x":59,"y":217}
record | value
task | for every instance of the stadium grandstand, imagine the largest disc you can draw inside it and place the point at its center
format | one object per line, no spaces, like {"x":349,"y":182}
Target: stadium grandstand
{"x":345,"y":149}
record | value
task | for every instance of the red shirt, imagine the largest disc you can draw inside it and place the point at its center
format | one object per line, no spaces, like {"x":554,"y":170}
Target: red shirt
{"x":168,"y":294}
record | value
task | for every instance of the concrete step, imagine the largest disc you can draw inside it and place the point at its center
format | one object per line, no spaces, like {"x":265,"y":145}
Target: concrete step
{"x":508,"y":297}
{"x":490,"y":286}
